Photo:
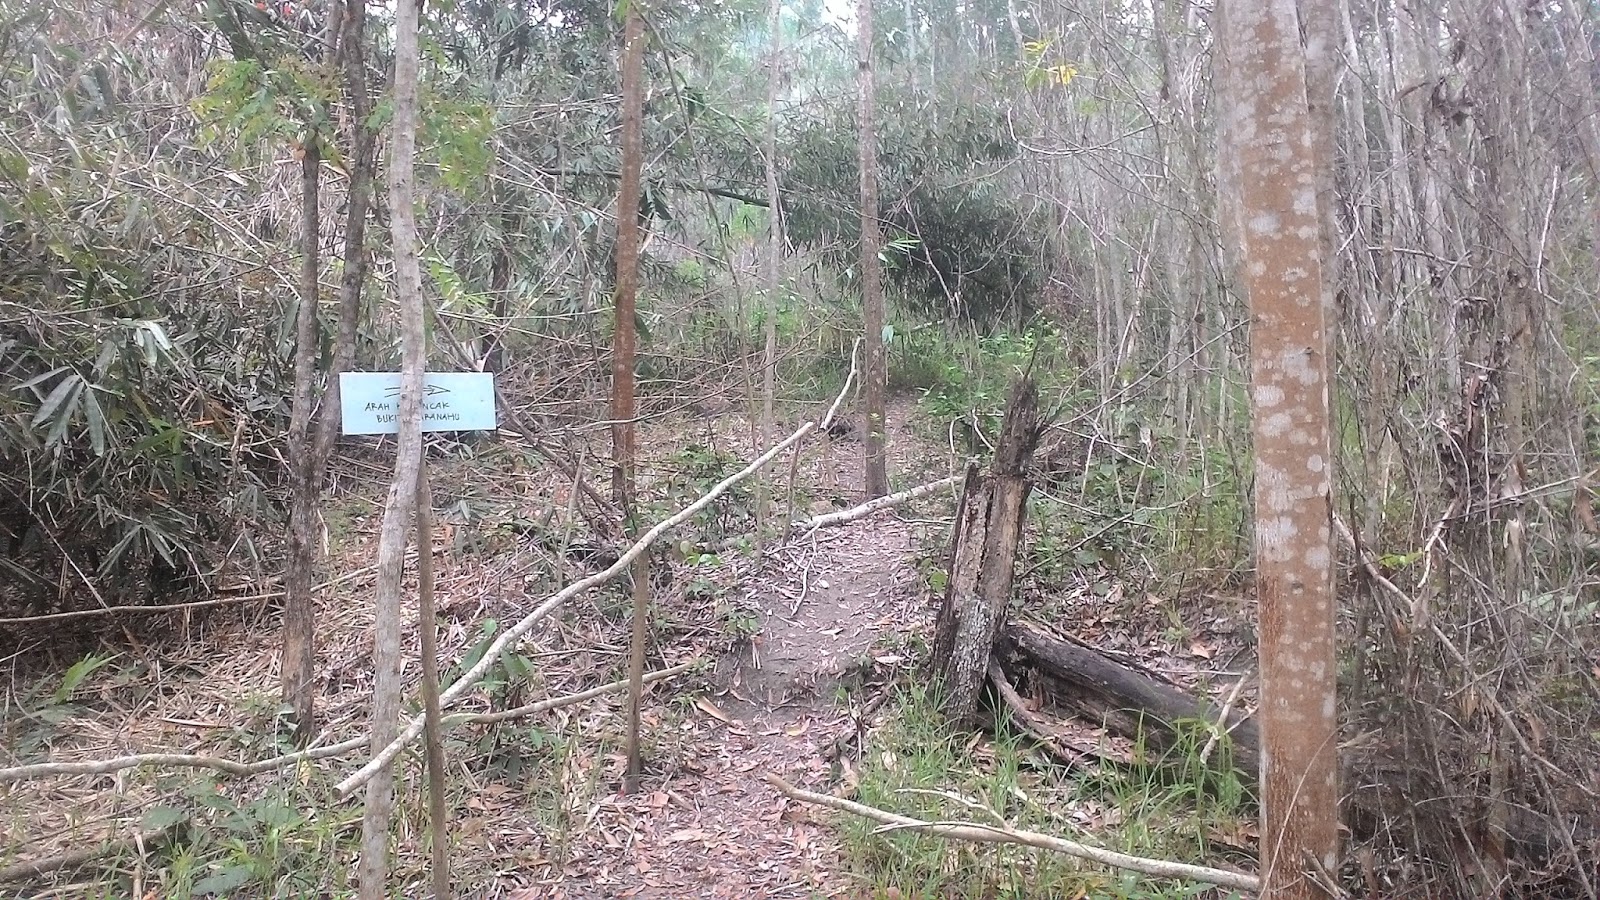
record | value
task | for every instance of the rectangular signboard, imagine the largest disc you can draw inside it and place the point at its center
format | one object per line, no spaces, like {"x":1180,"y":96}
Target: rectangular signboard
{"x":451,"y":401}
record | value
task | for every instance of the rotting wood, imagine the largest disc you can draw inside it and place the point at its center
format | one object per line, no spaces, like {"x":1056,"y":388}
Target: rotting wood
{"x":1124,"y":699}
{"x":982,"y":564}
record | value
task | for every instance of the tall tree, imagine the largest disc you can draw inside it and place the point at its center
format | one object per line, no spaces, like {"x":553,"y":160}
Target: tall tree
{"x":1271,"y":135}
{"x":310,"y":452}
{"x":877,"y":474}
{"x":623,"y":407}
{"x":403,"y":487}
{"x":769,"y":350}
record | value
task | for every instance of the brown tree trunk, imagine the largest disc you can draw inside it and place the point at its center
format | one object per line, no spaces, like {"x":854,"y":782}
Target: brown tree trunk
{"x":623,"y":406}
{"x":1275,"y":142}
{"x":765,"y":503}
{"x":983,"y":558}
{"x":401,"y":504}
{"x":299,"y":628}
{"x":877,"y":472}
{"x":299,"y":613}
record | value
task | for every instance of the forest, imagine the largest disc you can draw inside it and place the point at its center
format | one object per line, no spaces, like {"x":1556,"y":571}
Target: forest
{"x":1138,"y":449}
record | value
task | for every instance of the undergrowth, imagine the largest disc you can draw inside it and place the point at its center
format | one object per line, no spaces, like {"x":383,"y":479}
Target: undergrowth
{"x":919,"y":767}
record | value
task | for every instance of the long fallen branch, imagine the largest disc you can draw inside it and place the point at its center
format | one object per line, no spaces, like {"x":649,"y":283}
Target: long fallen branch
{"x":991,"y":834}
{"x":842,"y":516}
{"x":512,"y":636}
{"x":231,"y":767}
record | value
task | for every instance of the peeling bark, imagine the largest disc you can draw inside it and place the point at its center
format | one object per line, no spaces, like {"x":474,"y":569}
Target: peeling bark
{"x":983,"y":559}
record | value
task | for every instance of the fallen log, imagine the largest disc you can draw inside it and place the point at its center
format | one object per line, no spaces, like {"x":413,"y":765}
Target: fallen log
{"x":1125,"y":699}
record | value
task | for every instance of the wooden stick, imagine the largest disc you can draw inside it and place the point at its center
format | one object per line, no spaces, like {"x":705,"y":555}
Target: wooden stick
{"x":117,"y":764}
{"x":514,"y":635}
{"x":990,"y":834}
{"x":871,"y":506}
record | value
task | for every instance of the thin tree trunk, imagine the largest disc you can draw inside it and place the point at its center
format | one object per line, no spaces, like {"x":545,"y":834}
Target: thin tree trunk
{"x":299,"y":652}
{"x":623,"y":406}
{"x":769,"y":350}
{"x":401,"y":505}
{"x":299,"y":613}
{"x":1282,"y":255}
{"x":433,"y":736}
{"x":877,"y":473}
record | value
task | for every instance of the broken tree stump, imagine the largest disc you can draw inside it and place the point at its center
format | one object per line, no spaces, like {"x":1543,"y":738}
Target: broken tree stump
{"x":982,"y":558}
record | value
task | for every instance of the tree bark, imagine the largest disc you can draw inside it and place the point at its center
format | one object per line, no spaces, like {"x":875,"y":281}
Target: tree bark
{"x":623,"y":406}
{"x":765,"y":503}
{"x":877,"y":472}
{"x":1275,"y":143}
{"x":1126,"y":700}
{"x":299,"y":635}
{"x":401,"y":506}
{"x":983,"y":558}
{"x":299,"y":612}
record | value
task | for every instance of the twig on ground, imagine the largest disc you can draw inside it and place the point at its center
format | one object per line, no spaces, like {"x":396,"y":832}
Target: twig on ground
{"x":858,"y":723}
{"x":988,"y":834}
{"x":1029,"y":720}
{"x":514,"y":635}
{"x":181,"y":760}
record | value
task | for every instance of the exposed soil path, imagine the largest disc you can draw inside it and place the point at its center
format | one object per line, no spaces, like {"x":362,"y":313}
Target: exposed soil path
{"x":709,"y":826}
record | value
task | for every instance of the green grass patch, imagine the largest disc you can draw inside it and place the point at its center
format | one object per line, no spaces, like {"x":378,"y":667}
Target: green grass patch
{"x":917,"y":766}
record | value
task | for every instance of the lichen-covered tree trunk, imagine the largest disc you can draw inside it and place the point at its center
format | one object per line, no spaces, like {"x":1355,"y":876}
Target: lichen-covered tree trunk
{"x":983,"y":559}
{"x":310,"y":447}
{"x":1282,"y":254}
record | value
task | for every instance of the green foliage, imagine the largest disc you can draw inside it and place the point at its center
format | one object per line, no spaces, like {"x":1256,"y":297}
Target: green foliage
{"x":689,"y":473}
{"x":249,"y":102}
{"x":960,"y":245}
{"x":277,"y":844}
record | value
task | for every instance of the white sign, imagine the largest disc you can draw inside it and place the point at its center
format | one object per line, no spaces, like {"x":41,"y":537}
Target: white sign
{"x":451,"y":401}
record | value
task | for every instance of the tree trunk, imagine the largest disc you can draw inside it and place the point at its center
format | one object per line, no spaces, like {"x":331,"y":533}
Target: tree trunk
{"x":299,"y":613}
{"x":1126,"y":700}
{"x":1275,"y":141}
{"x":877,"y":472}
{"x":401,"y":505}
{"x":982,"y":559}
{"x":769,"y":351}
{"x":299,"y":650}
{"x":623,"y":406}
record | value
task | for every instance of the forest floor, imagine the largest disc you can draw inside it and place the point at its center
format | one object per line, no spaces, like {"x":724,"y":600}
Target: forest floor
{"x":791,"y":637}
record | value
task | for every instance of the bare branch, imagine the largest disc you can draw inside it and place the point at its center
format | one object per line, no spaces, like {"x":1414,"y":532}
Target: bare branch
{"x":181,"y":760}
{"x":515,"y":634}
{"x":990,"y":834}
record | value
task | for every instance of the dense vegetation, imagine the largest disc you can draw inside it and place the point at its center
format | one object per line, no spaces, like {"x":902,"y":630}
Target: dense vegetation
{"x":1050,"y":197}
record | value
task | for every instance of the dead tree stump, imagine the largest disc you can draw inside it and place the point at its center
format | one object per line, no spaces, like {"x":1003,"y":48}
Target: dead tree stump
{"x":982,"y":558}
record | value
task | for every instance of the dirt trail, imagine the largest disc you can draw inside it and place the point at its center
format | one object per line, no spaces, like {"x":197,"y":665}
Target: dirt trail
{"x":705,"y":824}
{"x":709,"y":826}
